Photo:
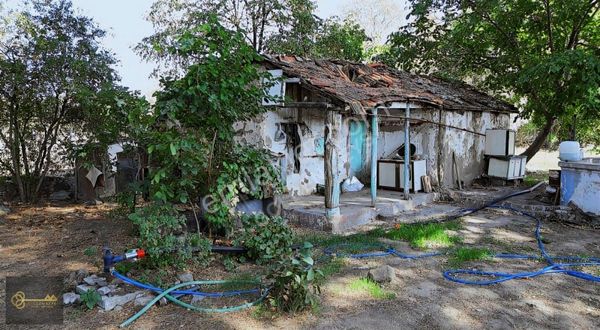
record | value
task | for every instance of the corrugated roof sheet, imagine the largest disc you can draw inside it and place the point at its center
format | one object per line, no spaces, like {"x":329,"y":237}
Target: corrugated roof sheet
{"x":365,"y":86}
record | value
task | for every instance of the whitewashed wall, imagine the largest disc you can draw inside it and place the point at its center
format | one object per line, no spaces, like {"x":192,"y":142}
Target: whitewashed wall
{"x":469,"y":148}
{"x":260,"y":133}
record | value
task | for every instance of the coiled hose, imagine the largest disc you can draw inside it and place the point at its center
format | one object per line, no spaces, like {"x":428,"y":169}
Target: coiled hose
{"x":566,"y":268}
{"x":170,"y":292}
{"x":499,"y":277}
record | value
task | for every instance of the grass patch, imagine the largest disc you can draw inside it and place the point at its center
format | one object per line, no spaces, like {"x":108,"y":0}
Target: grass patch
{"x":365,"y":285}
{"x":332,"y":266}
{"x":356,"y":243}
{"x":464,"y":254}
{"x":532,"y":178}
{"x":231,"y":286}
{"x":423,"y":236}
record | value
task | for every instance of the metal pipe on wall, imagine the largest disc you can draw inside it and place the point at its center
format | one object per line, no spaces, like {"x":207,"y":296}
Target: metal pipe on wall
{"x":374,"y":137}
{"x":407,"y":152}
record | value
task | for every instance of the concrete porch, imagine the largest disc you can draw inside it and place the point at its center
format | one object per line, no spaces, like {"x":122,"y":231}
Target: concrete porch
{"x":355,"y":209}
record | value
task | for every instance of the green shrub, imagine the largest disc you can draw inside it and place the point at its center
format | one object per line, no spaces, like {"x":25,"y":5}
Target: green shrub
{"x":90,"y":298}
{"x":294,"y":280}
{"x":266,"y":238}
{"x":161,"y":231}
{"x":248,"y":171}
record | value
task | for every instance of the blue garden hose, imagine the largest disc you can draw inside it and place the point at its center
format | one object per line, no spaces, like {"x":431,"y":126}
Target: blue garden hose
{"x":167,"y":294}
{"x":499,"y":277}
{"x":183,"y":292}
{"x":387,"y":251}
{"x":566,"y":268}
{"x":173,"y":294}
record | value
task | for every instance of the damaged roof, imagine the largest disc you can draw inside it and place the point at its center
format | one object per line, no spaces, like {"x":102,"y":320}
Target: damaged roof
{"x":364,"y":86}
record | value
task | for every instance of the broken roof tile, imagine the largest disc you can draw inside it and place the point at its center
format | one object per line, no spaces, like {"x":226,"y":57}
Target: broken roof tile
{"x":375,"y":84}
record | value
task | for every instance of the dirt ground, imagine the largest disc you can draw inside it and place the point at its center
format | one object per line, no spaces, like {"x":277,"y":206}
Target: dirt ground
{"x":50,"y":240}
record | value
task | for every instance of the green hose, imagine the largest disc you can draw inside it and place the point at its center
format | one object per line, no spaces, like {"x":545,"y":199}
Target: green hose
{"x":192,"y":307}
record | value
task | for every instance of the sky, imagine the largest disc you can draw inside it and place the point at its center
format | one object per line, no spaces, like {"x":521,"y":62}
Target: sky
{"x":124,"y":20}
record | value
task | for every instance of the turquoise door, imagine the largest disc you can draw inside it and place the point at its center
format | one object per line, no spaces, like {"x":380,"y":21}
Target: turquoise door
{"x":358,"y":138}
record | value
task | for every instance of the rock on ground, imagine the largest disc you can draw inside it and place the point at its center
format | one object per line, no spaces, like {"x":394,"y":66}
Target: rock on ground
{"x":109,"y":303}
{"x":186,"y":277}
{"x":95,"y":280}
{"x":196,"y":299}
{"x":143,"y":300}
{"x":382,"y":274}
{"x":75,"y":278}
{"x":83,"y":288}
{"x":105,"y":290}
{"x":71,"y":298}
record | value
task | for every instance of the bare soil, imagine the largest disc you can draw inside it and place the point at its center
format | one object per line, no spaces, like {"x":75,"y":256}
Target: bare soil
{"x":50,"y":240}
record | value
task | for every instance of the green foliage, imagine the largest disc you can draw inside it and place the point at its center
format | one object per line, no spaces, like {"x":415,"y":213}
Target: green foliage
{"x":161,"y":231}
{"x":369,"y":286}
{"x":294,"y":282}
{"x":58,"y":91}
{"x":532,"y":178}
{"x":312,"y":37}
{"x":340,"y":40}
{"x":544,"y":54}
{"x":257,"y":20}
{"x":90,"y":298}
{"x":248,"y":172}
{"x":425,"y":236}
{"x":269,"y":26}
{"x":297,"y":37}
{"x":464,"y":254}
{"x":190,"y":132}
{"x":267,"y":239}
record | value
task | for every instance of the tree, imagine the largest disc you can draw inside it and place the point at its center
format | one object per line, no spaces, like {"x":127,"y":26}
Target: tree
{"x":191,"y":128}
{"x":57,"y":86}
{"x":257,"y":20}
{"x":297,"y":36}
{"x":542,"y":54}
{"x":340,"y":40}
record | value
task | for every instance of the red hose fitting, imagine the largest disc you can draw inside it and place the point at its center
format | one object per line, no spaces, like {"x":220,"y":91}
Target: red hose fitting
{"x":141,"y":253}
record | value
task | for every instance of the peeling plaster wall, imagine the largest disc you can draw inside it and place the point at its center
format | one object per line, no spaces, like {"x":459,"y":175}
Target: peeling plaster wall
{"x":261,"y":132}
{"x":580,"y":184}
{"x":469,"y":148}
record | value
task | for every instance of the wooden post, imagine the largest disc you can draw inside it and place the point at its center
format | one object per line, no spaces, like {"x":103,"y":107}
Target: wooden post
{"x":333,"y":125}
{"x":374,"y":136}
{"x":407,"y":152}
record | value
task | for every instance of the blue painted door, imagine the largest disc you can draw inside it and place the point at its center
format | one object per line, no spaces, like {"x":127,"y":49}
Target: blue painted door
{"x":357,"y":132}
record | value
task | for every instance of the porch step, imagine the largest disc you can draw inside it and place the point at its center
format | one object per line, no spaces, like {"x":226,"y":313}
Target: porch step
{"x":355,"y":209}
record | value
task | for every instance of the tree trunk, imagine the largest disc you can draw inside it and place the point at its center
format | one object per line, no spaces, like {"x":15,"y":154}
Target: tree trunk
{"x":539,"y":140}
{"x":573,"y":129}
